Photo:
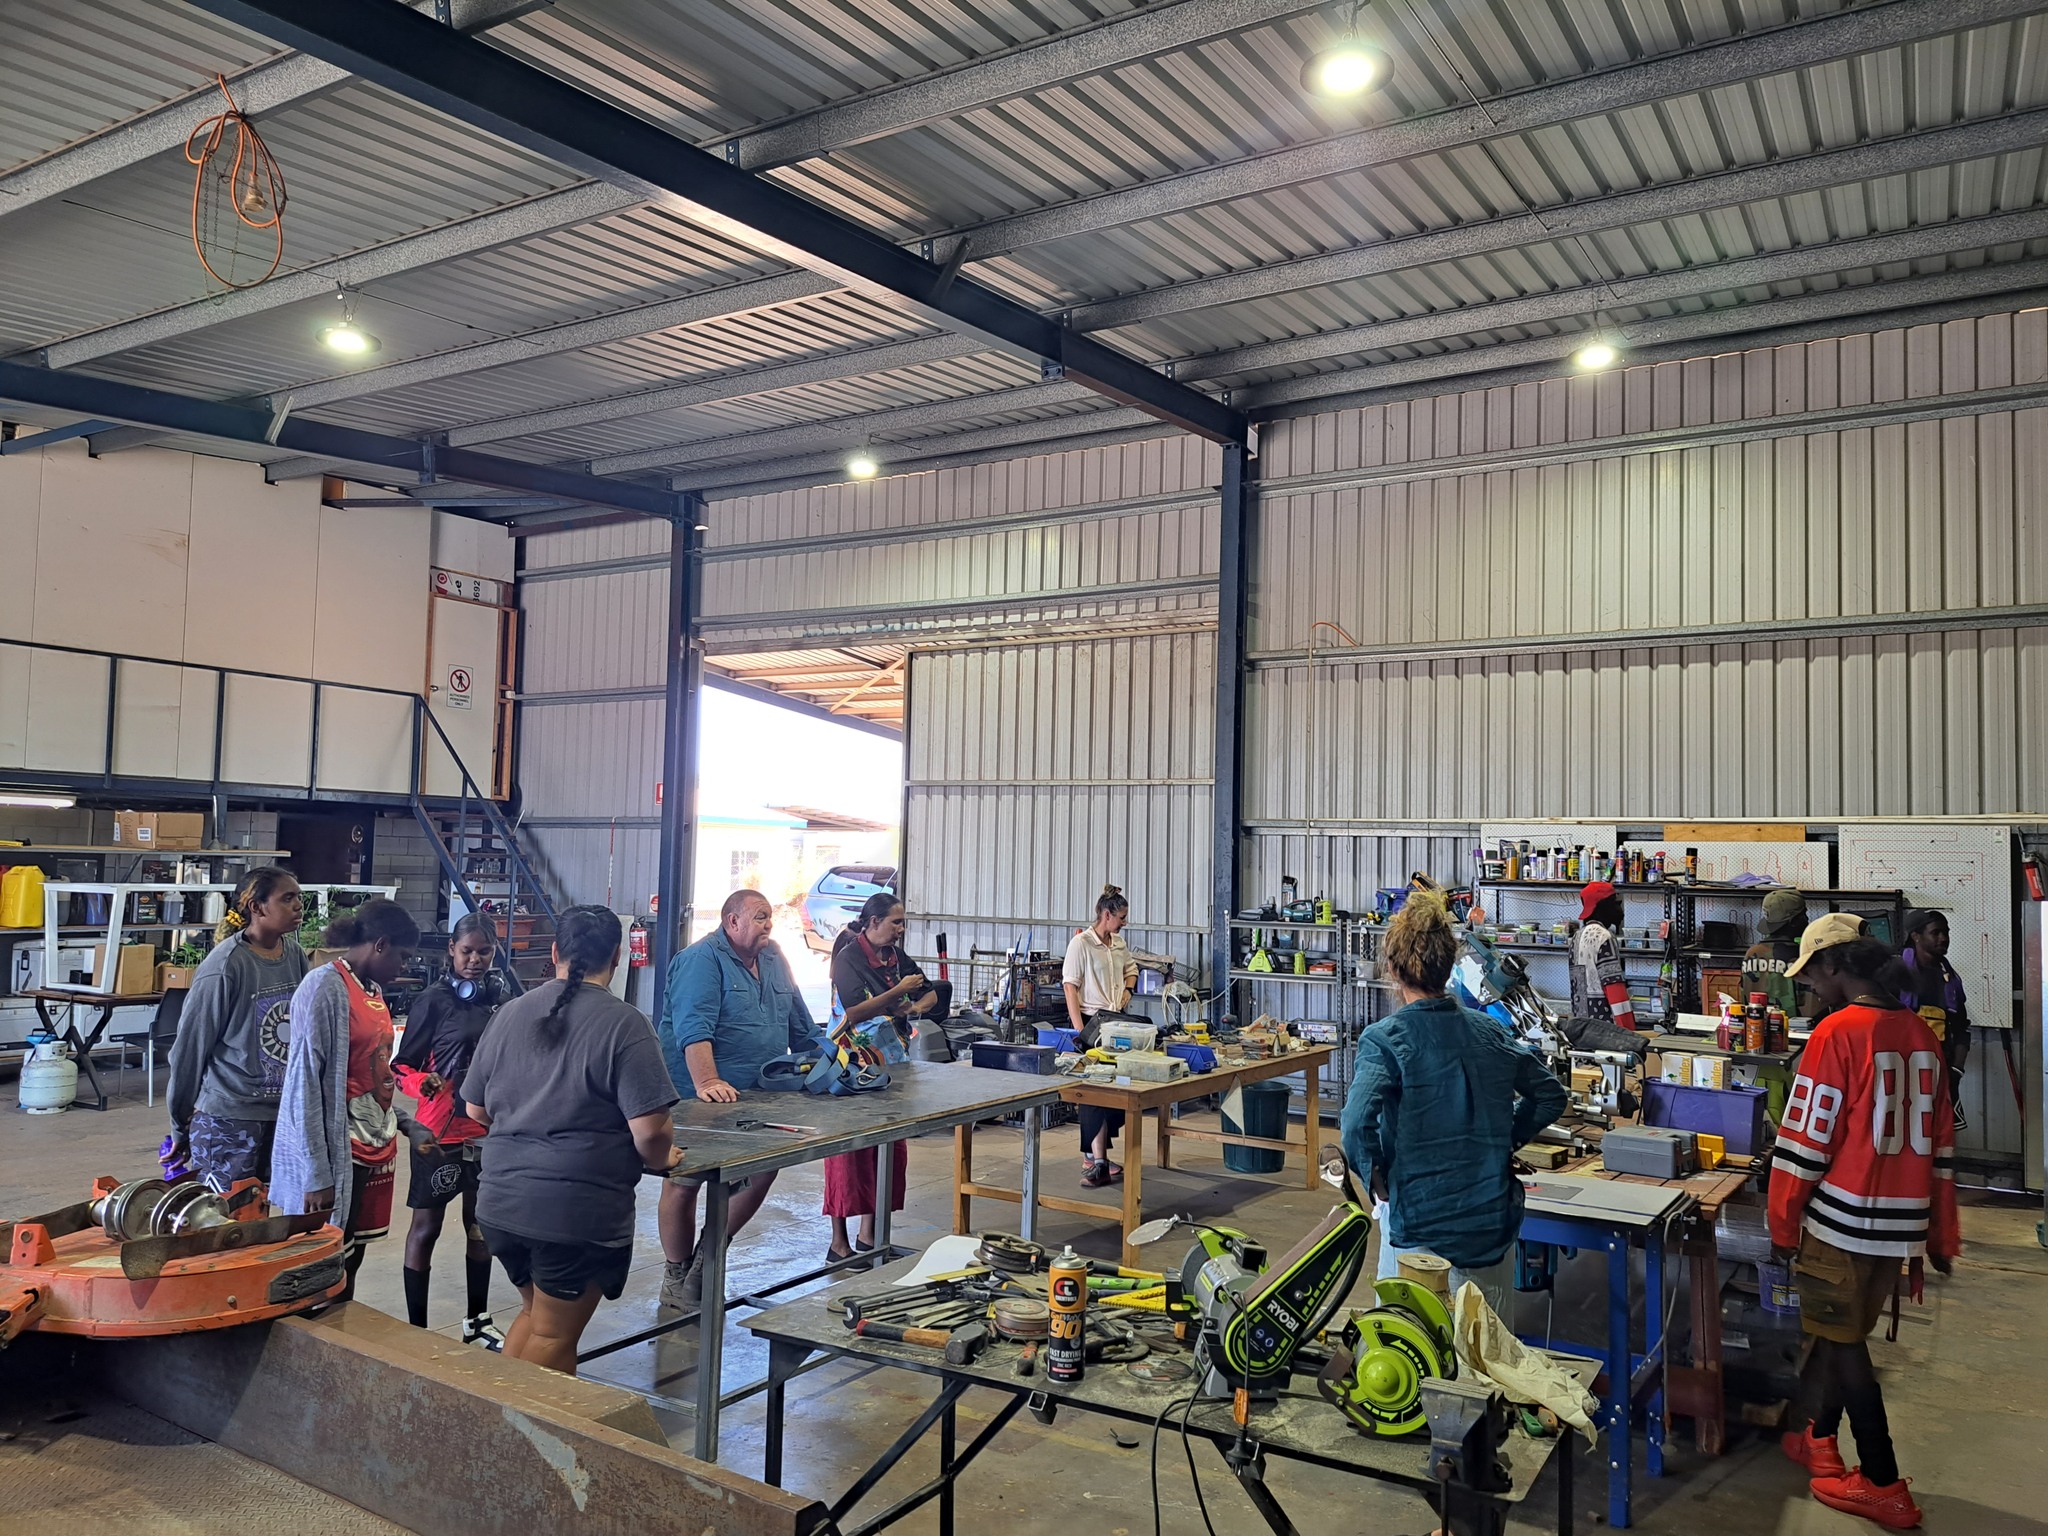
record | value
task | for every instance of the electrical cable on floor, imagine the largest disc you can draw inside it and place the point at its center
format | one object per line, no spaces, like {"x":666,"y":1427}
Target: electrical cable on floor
{"x":1195,"y":1477}
{"x":1157,"y":1421}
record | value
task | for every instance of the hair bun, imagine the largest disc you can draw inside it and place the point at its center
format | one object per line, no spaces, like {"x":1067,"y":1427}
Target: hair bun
{"x":1112,"y":890}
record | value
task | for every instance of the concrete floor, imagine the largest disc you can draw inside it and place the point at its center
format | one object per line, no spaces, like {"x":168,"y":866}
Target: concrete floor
{"x":1967,"y":1382}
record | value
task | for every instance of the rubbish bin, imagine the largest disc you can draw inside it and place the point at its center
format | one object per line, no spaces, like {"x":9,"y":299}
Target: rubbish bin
{"x":1265,"y":1114}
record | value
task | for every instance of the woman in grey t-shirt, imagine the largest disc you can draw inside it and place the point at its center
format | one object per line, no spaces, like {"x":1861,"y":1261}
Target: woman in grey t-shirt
{"x":227,"y":1062}
{"x":572,"y":1085}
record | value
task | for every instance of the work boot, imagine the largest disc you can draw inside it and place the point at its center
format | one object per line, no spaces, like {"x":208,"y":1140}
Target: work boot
{"x":1821,"y":1457}
{"x":682,"y":1285}
{"x":1854,"y":1494}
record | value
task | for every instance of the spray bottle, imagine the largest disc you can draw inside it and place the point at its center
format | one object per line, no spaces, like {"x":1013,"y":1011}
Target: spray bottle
{"x":1067,"y":1300}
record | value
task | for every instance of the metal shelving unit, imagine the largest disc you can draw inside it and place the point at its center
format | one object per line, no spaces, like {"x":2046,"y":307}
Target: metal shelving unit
{"x":1659,"y":956}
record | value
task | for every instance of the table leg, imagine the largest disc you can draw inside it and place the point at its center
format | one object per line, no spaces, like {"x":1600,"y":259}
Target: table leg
{"x":1134,"y":1173}
{"x":963,"y":1173}
{"x":711,"y":1318}
{"x":1567,"y":1448}
{"x":1620,"y":1447}
{"x":83,"y":1044}
{"x":885,"y":1196}
{"x":1164,"y":1132}
{"x":1653,"y":1346}
{"x":946,"y":1427}
{"x":1710,"y":1423}
{"x":1027,"y":1221}
{"x":783,"y":1362}
{"x":1312,"y":1126}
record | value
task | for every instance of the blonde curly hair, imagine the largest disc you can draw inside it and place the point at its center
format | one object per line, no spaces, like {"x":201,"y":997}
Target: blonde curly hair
{"x":1421,"y":945}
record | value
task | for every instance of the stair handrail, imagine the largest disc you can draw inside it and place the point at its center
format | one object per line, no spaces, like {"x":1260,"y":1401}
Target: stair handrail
{"x":492,"y":815}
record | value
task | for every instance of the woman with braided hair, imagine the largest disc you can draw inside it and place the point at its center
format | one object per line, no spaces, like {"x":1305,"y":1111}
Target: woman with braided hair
{"x":228,"y":1060}
{"x":570,"y":1082}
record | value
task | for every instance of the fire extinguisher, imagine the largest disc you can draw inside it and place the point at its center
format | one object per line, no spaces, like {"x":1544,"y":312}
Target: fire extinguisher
{"x":639,"y":945}
{"x":2037,"y":880}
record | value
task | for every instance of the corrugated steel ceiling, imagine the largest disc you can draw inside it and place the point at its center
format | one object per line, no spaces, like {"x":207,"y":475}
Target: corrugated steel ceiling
{"x":367,"y":168}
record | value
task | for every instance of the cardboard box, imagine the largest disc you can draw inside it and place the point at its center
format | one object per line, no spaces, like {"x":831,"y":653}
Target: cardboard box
{"x":160,"y":829}
{"x":134,"y":969}
{"x":175,"y":978}
{"x":1710,"y":1071}
{"x":1677,"y":1066}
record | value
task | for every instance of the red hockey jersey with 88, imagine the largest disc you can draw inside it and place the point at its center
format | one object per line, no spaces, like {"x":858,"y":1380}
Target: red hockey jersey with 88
{"x":1865,"y":1157}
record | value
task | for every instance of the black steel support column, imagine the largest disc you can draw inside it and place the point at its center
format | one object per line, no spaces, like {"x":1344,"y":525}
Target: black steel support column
{"x":676,"y":876}
{"x":1228,"y":811}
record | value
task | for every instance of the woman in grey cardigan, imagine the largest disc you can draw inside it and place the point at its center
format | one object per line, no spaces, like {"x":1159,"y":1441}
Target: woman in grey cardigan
{"x":337,"y":1127}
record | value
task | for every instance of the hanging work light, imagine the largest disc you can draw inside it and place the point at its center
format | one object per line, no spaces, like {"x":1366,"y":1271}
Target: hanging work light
{"x":1350,"y":67}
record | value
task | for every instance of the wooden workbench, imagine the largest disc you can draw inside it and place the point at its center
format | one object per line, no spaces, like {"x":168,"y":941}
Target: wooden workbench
{"x":1135,"y":1099}
{"x":1694,"y":1390}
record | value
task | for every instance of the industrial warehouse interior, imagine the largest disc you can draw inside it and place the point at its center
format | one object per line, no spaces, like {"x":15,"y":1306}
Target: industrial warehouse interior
{"x":792,"y":767}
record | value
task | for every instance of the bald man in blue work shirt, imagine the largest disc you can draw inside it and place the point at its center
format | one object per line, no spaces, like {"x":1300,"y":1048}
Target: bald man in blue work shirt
{"x":731,"y":1005}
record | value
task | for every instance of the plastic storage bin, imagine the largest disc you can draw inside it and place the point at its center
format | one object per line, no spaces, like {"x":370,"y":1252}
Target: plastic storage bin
{"x":1059,"y":1039}
{"x":1736,"y":1115}
{"x":1265,"y":1114}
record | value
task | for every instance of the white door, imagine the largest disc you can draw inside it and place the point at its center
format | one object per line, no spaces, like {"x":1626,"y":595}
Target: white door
{"x":462,"y":694}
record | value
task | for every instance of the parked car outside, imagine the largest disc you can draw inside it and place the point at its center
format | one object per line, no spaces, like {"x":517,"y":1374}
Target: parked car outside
{"x":835,"y":898}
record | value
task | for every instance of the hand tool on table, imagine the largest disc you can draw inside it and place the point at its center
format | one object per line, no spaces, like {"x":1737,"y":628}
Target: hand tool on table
{"x":743,"y":1127}
{"x":960,"y":1347}
{"x":1027,"y":1362}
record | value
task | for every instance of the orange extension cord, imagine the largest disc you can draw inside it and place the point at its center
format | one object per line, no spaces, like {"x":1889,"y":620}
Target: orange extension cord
{"x":255,"y":183}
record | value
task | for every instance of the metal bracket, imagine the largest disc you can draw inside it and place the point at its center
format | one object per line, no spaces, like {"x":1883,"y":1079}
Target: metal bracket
{"x":1042,"y":1406}
{"x":732,"y":151}
{"x":277,"y":419}
{"x":1049,"y":371}
{"x":427,"y":446}
{"x":949,"y":271}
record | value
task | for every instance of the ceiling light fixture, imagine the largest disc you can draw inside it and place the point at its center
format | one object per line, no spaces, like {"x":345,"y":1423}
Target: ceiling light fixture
{"x":1349,"y":67}
{"x":863,"y":466}
{"x":346,"y":337}
{"x":1595,"y":355}
{"x":34,"y":800}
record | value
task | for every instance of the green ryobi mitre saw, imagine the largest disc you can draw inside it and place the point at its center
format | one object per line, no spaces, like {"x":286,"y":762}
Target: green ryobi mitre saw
{"x":1375,"y":1373}
{"x":1254,"y":1316}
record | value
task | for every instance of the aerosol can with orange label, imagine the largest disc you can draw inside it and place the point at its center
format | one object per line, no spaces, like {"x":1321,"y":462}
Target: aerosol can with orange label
{"x":1067,"y":1300}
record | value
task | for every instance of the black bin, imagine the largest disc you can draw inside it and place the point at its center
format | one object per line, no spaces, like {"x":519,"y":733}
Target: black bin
{"x":1265,"y":1114}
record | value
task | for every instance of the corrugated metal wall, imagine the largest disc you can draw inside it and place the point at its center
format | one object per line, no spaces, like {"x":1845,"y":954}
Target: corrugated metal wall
{"x":1038,"y":773}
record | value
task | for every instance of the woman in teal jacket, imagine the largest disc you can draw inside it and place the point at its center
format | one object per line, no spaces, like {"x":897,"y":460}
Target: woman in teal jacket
{"x":1441,"y":1098}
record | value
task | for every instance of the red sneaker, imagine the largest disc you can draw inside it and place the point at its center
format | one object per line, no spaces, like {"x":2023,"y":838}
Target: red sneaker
{"x":1821,"y":1458}
{"x":1855,"y":1494}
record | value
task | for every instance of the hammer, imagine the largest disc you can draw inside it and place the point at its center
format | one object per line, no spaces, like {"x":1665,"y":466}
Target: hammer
{"x":961,"y":1346}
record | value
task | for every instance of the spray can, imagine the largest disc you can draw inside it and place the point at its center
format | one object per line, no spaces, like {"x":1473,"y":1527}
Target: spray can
{"x":1067,"y":1300}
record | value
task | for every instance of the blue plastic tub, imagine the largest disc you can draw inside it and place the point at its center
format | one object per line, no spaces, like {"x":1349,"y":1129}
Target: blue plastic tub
{"x":1736,"y":1115}
{"x":1200,"y":1058}
{"x":1058,"y":1039}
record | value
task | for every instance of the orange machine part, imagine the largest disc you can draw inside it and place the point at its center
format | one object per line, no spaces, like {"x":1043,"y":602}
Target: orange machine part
{"x":75,"y":1284}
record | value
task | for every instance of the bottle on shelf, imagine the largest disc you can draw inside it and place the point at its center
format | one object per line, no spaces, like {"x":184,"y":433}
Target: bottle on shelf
{"x":1692,"y":866}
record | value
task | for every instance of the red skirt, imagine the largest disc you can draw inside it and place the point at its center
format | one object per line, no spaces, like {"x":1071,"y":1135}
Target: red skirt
{"x":850,"y":1180}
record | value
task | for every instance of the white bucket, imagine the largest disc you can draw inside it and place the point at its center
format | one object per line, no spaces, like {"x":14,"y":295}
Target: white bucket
{"x":49,"y":1079}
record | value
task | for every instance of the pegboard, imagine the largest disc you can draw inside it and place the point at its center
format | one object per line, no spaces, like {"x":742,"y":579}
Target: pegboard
{"x":1804,"y":865}
{"x":1964,"y":872}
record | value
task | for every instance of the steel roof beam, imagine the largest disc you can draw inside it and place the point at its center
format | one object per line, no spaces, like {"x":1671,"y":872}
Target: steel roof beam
{"x":1912,"y":301}
{"x":264,"y":88}
{"x":1104,"y":45}
{"x":1809,"y":173}
{"x":1737,"y":61}
{"x":110,"y":400}
{"x":397,"y":48}
{"x":1880,"y":26}
{"x":1445,"y":325}
{"x":1654,"y":288}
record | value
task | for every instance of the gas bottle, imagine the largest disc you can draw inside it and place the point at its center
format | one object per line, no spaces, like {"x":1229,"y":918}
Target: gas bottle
{"x":49,"y":1077}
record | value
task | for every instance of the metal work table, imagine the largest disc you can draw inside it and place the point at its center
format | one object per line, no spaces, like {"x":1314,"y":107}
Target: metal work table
{"x":921,"y":1097}
{"x":1606,"y":1215}
{"x":1299,"y":1426}
{"x":1134,"y":1099}
{"x":85,"y":1041}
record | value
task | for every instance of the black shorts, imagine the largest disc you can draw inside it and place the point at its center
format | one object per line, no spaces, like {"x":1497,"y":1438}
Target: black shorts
{"x":561,"y":1270}
{"x":437,"y":1180}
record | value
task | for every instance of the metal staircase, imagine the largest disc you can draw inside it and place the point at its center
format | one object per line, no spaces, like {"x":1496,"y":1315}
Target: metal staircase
{"x":481,"y":858}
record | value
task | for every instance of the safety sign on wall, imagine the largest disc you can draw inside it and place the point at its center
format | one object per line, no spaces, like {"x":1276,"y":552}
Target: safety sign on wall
{"x":458,"y":688}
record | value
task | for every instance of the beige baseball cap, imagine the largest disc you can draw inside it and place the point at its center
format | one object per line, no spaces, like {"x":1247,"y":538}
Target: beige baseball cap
{"x":1825,"y":933}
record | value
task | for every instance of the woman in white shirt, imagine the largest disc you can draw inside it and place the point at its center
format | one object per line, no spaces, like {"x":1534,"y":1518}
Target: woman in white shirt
{"x":1099,"y":974}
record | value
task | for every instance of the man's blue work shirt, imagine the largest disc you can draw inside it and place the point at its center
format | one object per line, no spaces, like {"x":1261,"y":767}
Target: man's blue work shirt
{"x":1441,"y":1099}
{"x":748,"y":1019}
